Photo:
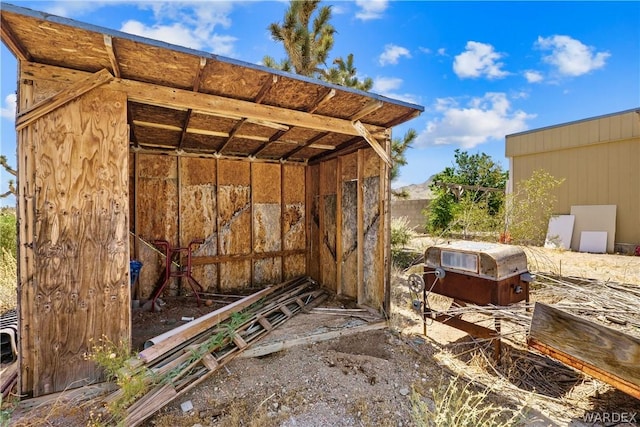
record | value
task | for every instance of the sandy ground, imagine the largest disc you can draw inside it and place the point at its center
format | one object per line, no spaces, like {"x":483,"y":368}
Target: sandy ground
{"x":374,"y":378}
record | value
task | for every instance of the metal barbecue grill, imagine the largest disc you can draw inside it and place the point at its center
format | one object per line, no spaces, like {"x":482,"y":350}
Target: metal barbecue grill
{"x":472,"y":273}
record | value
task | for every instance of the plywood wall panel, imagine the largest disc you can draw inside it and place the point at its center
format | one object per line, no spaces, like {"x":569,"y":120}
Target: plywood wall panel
{"x":81,"y":287}
{"x":373,"y":275}
{"x":313,"y":221}
{"x":157,"y":214}
{"x":294,"y":266}
{"x":328,"y":241}
{"x":267,"y":235}
{"x":349,"y":236}
{"x":267,"y":271}
{"x":293,"y":184}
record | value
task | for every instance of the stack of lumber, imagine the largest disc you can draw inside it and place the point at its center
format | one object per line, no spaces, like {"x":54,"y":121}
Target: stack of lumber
{"x":179,"y":362}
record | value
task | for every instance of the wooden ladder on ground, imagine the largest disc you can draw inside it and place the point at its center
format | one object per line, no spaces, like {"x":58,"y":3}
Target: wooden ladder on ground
{"x":193,"y":360}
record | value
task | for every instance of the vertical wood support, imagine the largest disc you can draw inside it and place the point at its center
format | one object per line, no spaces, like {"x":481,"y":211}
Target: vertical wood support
{"x":360,"y":227}
{"x":134,"y":200}
{"x":321,"y":225}
{"x":339,"y":215}
{"x":385,"y":225}
{"x":251,"y":230}
{"x":283,"y":209}
{"x":218,"y":223}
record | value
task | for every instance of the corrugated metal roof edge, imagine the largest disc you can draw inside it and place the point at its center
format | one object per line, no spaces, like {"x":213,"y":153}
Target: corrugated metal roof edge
{"x":156,"y":43}
{"x":619,"y":113}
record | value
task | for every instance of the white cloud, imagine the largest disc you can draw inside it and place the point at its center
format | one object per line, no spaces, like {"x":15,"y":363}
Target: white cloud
{"x":191,"y":25}
{"x":371,"y":9}
{"x":442,"y":51}
{"x":570,"y":56}
{"x":387,"y":85}
{"x":392,"y":53}
{"x":533,"y":76}
{"x":478,"y":60}
{"x":8,"y":111}
{"x":483,"y":119}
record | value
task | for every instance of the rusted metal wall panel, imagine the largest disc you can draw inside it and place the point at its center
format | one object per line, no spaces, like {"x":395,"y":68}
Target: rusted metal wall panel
{"x":80,"y":289}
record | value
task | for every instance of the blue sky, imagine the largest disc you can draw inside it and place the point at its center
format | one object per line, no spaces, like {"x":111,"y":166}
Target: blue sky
{"x":482,"y":70}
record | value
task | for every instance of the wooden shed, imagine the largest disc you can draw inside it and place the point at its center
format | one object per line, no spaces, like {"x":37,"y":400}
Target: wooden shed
{"x":124,"y":140}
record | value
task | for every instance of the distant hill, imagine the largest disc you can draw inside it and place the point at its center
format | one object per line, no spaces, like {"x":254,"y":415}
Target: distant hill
{"x":418,"y":191}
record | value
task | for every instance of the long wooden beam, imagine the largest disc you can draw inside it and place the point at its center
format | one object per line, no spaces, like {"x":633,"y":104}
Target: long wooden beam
{"x":79,"y":88}
{"x":362,"y":130}
{"x":162,"y":96}
{"x":108,"y":45}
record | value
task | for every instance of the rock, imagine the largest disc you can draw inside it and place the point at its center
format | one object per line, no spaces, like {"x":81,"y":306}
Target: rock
{"x":404,"y":391}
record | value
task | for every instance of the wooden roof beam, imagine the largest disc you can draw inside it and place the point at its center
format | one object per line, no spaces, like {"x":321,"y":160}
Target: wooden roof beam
{"x":168,"y":97}
{"x":12,"y":42}
{"x":382,"y":153}
{"x":348,"y":147}
{"x":410,"y":115}
{"x":326,"y":97}
{"x":307,"y":144}
{"x":233,"y":132}
{"x":196,"y":87}
{"x":367,"y":109}
{"x":264,"y":146}
{"x":77,"y":89}
{"x":265,"y":89}
{"x":108,"y":45}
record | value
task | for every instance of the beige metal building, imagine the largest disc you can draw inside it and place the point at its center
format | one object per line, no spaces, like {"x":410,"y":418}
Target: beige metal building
{"x":599,"y":158}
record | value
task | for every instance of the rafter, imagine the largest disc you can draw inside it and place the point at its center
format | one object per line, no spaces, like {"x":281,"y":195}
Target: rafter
{"x":367,"y":109}
{"x":410,"y":115}
{"x":232,"y":134}
{"x":326,"y":97}
{"x":302,"y":147}
{"x":264,"y":146}
{"x":108,"y":45}
{"x":196,"y":87}
{"x":265,"y":89}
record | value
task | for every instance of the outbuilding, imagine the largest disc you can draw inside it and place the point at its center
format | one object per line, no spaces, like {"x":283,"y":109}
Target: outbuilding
{"x":123,"y":141}
{"x":598,"y":158}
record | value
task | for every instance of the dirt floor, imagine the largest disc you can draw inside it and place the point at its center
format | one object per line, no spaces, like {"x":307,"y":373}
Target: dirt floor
{"x":378,"y":377}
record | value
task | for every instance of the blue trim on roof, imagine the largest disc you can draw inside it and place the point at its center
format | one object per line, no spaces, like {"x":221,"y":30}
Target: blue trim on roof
{"x":157,"y":43}
{"x":619,"y":113}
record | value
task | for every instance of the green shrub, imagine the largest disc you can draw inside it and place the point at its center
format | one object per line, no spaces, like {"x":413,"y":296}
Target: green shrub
{"x":8,"y":231}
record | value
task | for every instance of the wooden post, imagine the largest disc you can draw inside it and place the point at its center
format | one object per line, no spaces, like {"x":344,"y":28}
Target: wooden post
{"x":360,"y":228}
{"x":339,"y":214}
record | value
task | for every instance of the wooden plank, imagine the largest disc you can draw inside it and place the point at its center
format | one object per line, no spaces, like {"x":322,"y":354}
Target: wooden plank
{"x":360,"y":293}
{"x":364,"y":132}
{"x":263,"y":350}
{"x":205,"y":322}
{"x":589,"y":345}
{"x":339,"y":217}
{"x":108,"y":44}
{"x":210,"y":362}
{"x":25,"y":118}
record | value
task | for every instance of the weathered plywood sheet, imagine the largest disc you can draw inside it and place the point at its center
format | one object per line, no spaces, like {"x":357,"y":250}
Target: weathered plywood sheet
{"x":328,"y":242}
{"x":157,"y":215}
{"x":373,"y":274}
{"x":559,"y":232}
{"x":293,"y":190}
{"x":293,"y":226}
{"x":266,"y":227}
{"x":234,"y":222}
{"x":267,"y":271}
{"x":349,"y":236}
{"x":81,"y":287}
{"x":313,"y":205}
{"x":294,"y":266}
{"x":198,"y":213}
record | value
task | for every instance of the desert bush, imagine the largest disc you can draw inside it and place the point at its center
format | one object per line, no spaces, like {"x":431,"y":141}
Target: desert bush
{"x":401,"y":235}
{"x":8,"y":278}
{"x":460,"y":403}
{"x":529,"y":207}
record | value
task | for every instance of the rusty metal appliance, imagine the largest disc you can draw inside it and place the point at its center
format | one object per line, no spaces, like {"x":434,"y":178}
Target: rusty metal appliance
{"x":477,"y":273}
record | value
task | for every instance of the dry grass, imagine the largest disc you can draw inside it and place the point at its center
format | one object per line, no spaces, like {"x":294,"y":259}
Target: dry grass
{"x":8,"y":278}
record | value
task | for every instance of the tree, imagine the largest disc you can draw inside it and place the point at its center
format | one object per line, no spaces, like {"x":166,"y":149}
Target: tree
{"x":469,"y":194}
{"x":307,"y":50}
{"x":10,"y":170}
{"x":307,"y":47}
{"x":344,"y":74}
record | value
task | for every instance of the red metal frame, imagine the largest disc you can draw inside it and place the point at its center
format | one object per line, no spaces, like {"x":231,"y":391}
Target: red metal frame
{"x":183,"y":271}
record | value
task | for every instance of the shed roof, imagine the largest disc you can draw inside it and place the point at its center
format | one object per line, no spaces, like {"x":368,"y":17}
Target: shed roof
{"x":184,"y":99}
